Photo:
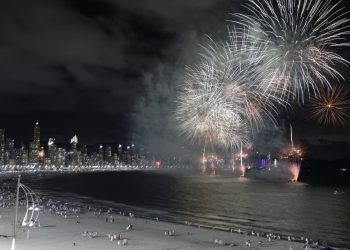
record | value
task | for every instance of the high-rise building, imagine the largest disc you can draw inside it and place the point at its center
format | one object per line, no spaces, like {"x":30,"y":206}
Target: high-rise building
{"x":108,"y":154}
{"x":120,"y":154}
{"x":94,"y":158}
{"x":32,"y":153}
{"x":41,"y":155}
{"x":128,"y":155}
{"x":36,"y":137}
{"x":100,"y":155}
{"x":125,"y":156}
{"x":74,"y":152}
{"x":60,"y":157}
{"x":35,"y":147}
{"x":51,"y":151}
{"x":2,"y":146}
{"x":22,"y":155}
{"x":115,"y":159}
{"x":84,"y":156}
{"x":10,"y":151}
{"x":133,"y":154}
{"x":79,"y":158}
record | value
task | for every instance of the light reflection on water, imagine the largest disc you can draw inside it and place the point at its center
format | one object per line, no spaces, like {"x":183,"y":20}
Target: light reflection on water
{"x":284,"y":207}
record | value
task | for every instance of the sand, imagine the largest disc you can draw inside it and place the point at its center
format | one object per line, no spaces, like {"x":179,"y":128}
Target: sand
{"x":57,"y":232}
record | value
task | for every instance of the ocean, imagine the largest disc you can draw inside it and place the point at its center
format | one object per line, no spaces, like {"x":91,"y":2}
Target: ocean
{"x":287,"y":208}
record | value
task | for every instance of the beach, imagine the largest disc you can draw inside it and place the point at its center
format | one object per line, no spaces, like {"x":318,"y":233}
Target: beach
{"x":94,"y":231}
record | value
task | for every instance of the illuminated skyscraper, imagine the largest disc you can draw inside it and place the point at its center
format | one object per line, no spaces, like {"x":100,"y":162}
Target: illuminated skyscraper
{"x":34,"y":151}
{"x":51,"y":152}
{"x":60,"y":157}
{"x":23,"y":155}
{"x":100,"y":155}
{"x":127,"y":156}
{"x":2,"y":146}
{"x":74,"y":142}
{"x":84,"y":155}
{"x":133,"y":154}
{"x":108,"y":155}
{"x":10,"y":151}
{"x":74,"y":152}
{"x":41,"y":155}
{"x":120,"y":154}
{"x":115,"y":159}
{"x":36,"y":138}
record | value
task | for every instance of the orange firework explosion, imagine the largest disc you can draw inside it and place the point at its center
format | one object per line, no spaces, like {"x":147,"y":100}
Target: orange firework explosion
{"x":331,"y":107}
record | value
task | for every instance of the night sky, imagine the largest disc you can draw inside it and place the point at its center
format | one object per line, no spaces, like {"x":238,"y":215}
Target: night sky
{"x":88,"y":67}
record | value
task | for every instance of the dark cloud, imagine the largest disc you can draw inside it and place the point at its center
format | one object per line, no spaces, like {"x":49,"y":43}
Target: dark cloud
{"x":85,"y":59}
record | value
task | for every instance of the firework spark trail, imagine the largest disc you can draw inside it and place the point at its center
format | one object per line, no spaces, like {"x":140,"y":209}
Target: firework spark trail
{"x":220,"y":97}
{"x":203,"y":112}
{"x":331,"y":107}
{"x":235,"y":63}
{"x":301,"y":36}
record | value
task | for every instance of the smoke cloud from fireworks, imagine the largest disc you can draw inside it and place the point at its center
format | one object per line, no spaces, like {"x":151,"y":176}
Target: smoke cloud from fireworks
{"x":279,"y":52}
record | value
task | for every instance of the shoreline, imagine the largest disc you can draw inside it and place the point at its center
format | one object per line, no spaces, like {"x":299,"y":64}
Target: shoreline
{"x":69,"y":226}
{"x":233,"y":232}
{"x":56,"y":232}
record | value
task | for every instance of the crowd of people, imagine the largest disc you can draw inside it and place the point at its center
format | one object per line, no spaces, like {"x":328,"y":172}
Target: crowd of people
{"x":7,"y":196}
{"x":66,"y":210}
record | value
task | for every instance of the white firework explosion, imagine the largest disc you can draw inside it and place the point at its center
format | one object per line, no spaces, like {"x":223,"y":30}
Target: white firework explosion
{"x":301,"y":38}
{"x":204,"y":114}
{"x":236,"y":64}
{"x":220,"y":97}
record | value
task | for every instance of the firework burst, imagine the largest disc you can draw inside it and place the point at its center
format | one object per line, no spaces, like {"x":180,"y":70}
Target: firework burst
{"x":235,"y":63}
{"x":204,"y":114}
{"x":221,"y":97}
{"x":285,"y":49}
{"x":331,"y":107}
{"x":301,"y":37}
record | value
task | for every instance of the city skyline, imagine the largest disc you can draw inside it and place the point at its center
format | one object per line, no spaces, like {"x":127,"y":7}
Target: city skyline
{"x":41,"y":152}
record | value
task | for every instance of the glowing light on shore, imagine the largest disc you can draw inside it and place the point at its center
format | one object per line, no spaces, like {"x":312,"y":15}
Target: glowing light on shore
{"x":203,"y":166}
{"x":294,"y":170}
{"x":242,"y":170}
{"x":41,"y":153}
{"x":232,"y":163}
{"x":213,"y":168}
